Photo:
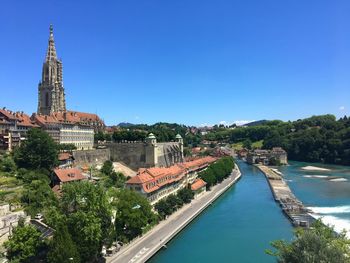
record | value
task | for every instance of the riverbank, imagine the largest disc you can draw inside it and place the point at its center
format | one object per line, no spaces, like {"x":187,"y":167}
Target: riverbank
{"x":291,"y":206}
{"x":145,"y":247}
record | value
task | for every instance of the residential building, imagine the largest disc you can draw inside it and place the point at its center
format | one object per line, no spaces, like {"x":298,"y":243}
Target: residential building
{"x":66,"y":160}
{"x":13,"y":128}
{"x":67,"y":128}
{"x":198,"y":187}
{"x":156,"y":183}
{"x":268,"y":157}
{"x":65,"y":175}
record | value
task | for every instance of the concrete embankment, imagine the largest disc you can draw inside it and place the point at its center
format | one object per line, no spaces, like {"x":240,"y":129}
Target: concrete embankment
{"x":145,"y":247}
{"x":291,"y":206}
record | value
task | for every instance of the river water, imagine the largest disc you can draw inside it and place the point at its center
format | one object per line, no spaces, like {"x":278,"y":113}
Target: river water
{"x":326,"y":193}
{"x":239,"y":225}
{"x":236,"y":228}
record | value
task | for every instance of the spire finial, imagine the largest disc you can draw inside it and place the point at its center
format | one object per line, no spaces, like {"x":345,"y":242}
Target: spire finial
{"x":51,"y":51}
{"x":51,"y":30}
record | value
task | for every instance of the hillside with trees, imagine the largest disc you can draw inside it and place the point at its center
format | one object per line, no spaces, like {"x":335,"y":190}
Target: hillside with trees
{"x":316,"y":139}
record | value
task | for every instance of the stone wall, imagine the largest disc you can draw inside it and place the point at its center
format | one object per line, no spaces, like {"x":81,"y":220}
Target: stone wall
{"x":96,"y":156}
{"x":133,"y":154}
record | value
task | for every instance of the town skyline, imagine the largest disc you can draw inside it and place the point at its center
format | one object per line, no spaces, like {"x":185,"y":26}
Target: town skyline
{"x":127,"y":76}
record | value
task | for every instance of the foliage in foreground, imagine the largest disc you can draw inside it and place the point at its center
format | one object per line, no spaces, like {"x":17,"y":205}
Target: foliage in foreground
{"x":24,"y":244}
{"x":314,"y":245}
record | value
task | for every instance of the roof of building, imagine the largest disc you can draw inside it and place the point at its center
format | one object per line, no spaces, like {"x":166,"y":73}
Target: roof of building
{"x":68,"y":117}
{"x":21,"y":118}
{"x":64,"y":156}
{"x":198,"y":163}
{"x":199,"y":183}
{"x":69,"y":174}
{"x":151,"y":179}
{"x":24,"y":120}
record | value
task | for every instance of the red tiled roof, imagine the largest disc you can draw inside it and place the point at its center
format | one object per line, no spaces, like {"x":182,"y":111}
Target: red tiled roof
{"x":68,"y":175}
{"x":22,"y":118}
{"x":199,"y":183}
{"x":8,"y":114}
{"x":72,"y":117}
{"x":64,"y":156}
{"x":151,"y":179}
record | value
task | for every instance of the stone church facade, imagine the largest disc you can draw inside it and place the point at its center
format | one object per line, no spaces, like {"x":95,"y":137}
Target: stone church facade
{"x":51,"y":96}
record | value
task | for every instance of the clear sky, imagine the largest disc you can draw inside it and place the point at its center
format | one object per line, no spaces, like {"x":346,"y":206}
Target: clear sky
{"x":184,"y":61}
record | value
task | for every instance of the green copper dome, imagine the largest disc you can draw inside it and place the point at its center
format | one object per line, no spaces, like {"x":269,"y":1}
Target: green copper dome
{"x":151,"y":136}
{"x":178,"y":136}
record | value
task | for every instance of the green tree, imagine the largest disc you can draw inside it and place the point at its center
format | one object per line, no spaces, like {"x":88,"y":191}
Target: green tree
{"x":7,"y":164}
{"x":133,"y":213}
{"x":87,"y":202}
{"x":163,"y":208}
{"x":316,"y":244}
{"x":186,"y":195}
{"x":86,"y":231}
{"x":62,"y":249}
{"x":38,"y":151}
{"x":36,"y":196}
{"x":24,"y":244}
{"x":107,"y":167}
{"x":247,"y":144}
{"x":66,"y":147}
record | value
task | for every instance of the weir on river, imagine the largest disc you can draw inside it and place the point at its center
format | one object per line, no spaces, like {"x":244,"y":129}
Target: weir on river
{"x":238,"y":226}
{"x":291,"y":206}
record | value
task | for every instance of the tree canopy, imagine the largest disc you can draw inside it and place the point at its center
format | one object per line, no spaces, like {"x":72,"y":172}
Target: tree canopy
{"x":316,"y":244}
{"x":24,"y":244}
{"x":133,"y":214}
{"x":38,"y":151}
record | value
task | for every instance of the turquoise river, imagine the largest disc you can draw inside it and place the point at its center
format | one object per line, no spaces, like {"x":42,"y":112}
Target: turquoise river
{"x":240,"y":224}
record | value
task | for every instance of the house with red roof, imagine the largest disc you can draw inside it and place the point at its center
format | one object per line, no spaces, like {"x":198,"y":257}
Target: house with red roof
{"x":156,"y":183}
{"x":13,"y":128}
{"x":62,"y":176}
{"x":69,"y":127}
{"x":198,"y":187}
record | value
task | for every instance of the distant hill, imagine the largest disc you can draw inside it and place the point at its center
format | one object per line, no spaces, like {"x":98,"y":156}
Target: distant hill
{"x":255,"y":123}
{"x":125,"y":124}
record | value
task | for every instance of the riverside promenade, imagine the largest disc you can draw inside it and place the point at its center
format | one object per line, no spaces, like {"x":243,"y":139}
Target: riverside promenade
{"x":145,"y":247}
{"x":291,"y":206}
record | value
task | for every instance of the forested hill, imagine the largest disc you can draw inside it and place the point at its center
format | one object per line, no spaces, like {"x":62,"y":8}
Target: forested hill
{"x":316,"y":139}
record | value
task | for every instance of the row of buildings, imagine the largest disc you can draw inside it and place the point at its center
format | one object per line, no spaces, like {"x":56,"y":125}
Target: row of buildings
{"x":67,"y":127}
{"x":64,"y":126}
{"x":156,"y":183}
{"x":275,"y":156}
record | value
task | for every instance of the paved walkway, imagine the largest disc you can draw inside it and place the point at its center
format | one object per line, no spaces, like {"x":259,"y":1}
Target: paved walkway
{"x":145,"y":247}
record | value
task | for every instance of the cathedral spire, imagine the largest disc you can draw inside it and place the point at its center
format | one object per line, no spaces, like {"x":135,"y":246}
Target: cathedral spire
{"x":51,"y":96}
{"x":51,"y":50}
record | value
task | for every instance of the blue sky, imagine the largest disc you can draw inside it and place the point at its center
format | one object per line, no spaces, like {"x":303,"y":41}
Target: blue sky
{"x":190,"y":62}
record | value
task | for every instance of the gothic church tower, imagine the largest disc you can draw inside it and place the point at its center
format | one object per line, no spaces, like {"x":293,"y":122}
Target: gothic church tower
{"x":51,"y":91}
